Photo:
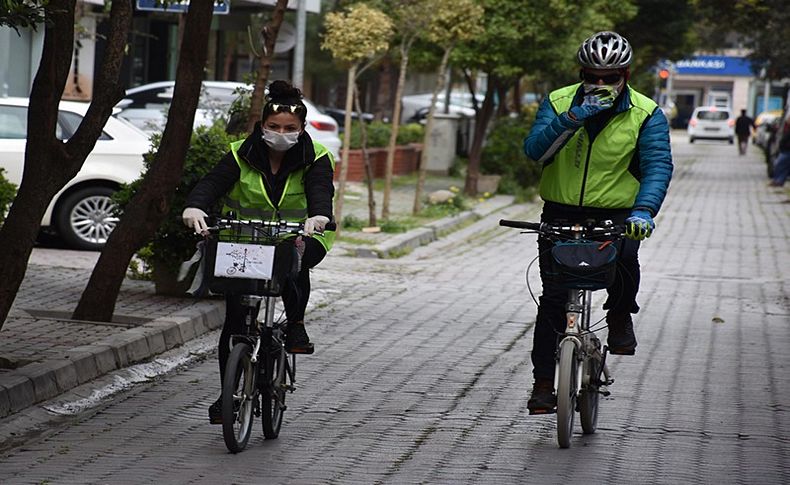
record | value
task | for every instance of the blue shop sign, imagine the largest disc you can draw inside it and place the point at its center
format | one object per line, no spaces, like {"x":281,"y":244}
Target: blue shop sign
{"x":715,"y":66}
{"x":220,"y":7}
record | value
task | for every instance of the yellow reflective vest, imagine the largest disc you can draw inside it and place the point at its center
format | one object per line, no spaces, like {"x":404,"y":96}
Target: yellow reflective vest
{"x":250,"y":201}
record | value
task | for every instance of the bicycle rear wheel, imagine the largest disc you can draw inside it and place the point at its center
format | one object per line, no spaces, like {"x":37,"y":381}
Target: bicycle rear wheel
{"x":566,"y":392}
{"x":273,"y":390}
{"x":589,"y":395}
{"x":238,"y":398}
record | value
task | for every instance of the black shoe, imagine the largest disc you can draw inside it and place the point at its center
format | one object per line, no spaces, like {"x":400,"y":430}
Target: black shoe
{"x":621,"y":340}
{"x":296,"y":339}
{"x":215,"y":412}
{"x":542,"y":400}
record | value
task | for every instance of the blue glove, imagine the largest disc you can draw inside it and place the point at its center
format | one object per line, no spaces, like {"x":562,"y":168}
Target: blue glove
{"x":640,"y":225}
{"x":593,"y":103}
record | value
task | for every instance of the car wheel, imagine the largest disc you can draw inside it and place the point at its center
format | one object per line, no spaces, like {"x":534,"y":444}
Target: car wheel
{"x":86,"y":218}
{"x":691,"y":139}
{"x":732,"y":141}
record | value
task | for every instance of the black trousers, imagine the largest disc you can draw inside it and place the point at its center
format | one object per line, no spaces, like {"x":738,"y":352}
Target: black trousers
{"x":295,"y":293}
{"x":551,"y":309}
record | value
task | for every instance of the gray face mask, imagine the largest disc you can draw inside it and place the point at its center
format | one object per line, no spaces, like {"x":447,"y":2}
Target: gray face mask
{"x":280,"y":142}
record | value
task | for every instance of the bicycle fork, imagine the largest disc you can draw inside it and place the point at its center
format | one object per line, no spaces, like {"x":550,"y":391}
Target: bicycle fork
{"x":577,"y":330}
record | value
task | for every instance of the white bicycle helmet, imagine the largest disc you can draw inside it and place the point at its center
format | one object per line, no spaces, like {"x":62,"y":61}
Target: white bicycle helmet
{"x":605,"y":50}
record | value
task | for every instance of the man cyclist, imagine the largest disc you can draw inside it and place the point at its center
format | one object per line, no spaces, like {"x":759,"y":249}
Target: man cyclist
{"x":606,"y":156}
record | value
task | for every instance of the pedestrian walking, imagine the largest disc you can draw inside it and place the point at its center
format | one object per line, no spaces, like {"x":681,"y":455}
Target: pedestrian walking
{"x":743,"y":129}
{"x":623,"y":176}
{"x":782,"y":163}
{"x":277,"y":173}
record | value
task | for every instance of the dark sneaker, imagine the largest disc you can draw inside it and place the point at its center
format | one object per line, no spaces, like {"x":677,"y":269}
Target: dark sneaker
{"x":215,"y":412}
{"x":621,"y":340}
{"x":296,"y":339}
{"x":542,"y":400}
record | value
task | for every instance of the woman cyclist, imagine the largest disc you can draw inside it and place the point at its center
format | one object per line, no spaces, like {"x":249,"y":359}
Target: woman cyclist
{"x":277,"y":173}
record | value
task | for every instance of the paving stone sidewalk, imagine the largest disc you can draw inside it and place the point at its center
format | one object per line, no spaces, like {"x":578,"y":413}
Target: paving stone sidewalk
{"x":43,"y":353}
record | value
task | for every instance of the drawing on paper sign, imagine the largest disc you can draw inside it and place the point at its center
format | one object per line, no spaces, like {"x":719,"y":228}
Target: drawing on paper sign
{"x":244,"y":261}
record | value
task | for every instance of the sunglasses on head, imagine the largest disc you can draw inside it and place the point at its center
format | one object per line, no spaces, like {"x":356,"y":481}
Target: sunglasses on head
{"x":606,"y":78}
{"x":285,"y":108}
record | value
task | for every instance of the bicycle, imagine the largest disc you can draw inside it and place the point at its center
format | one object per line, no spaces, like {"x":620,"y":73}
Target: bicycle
{"x":259,"y":371}
{"x":582,"y":265}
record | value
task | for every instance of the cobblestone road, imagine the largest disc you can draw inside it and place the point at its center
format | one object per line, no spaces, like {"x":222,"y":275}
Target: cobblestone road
{"x":422,"y":368}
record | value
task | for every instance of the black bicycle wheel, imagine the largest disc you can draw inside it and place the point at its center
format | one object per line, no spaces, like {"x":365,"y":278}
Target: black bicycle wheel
{"x":566,"y":392}
{"x":589,"y":395}
{"x":238,"y":398}
{"x":273,"y":390}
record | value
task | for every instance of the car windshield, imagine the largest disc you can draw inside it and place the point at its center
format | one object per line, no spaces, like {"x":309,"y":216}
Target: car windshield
{"x":713,"y":115}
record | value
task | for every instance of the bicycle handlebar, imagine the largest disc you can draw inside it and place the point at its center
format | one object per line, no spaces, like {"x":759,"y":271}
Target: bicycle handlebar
{"x":607,"y":228}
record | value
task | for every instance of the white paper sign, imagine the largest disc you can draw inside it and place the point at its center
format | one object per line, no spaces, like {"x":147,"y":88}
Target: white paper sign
{"x":248,"y":261}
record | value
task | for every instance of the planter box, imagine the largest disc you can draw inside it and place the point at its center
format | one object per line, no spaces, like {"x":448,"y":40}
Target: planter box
{"x":406,"y":161}
{"x":488,"y":183}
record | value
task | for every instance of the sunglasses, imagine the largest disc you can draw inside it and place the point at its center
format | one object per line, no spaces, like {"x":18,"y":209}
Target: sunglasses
{"x":286,"y":108}
{"x":606,"y":78}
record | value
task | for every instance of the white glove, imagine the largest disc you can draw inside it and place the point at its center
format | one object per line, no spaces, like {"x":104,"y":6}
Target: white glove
{"x":315,"y":223}
{"x":195,"y":218}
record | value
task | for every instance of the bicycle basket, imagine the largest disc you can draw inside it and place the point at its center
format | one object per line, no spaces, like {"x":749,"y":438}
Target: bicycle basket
{"x":242,"y":264}
{"x":583,"y":265}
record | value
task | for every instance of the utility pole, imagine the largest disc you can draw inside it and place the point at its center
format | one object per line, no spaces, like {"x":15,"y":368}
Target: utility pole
{"x":301,"y":25}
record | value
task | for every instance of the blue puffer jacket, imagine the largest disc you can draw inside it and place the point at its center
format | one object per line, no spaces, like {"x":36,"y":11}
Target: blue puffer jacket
{"x":552,"y":130}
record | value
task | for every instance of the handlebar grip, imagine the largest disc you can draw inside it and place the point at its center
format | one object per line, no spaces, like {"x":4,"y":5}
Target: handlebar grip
{"x":534,"y":226}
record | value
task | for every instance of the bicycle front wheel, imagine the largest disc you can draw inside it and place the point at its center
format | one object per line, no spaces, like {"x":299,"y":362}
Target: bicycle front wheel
{"x":566,"y":392}
{"x":238,"y":398}
{"x":273,"y":390}
{"x":589,"y":395}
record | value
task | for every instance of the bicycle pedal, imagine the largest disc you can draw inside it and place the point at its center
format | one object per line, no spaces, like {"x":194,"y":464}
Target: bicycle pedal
{"x":603,"y":390}
{"x":542,"y":411}
{"x":302,"y":350}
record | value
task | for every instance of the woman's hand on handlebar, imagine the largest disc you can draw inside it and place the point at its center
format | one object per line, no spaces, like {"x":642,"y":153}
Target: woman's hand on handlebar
{"x":315,"y":224}
{"x":195,"y":218}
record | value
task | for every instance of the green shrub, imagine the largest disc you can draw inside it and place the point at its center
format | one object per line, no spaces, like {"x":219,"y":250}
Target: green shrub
{"x":503,"y":153}
{"x":173,"y":243}
{"x":7,"y":195}
{"x":379,"y":132}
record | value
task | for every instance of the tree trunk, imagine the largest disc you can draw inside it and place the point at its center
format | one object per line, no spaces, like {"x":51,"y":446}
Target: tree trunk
{"x":481,"y":125}
{"x":269,"y":33}
{"x":49,"y":162}
{"x":150,"y":205}
{"x":426,"y":144}
{"x":396,"y":112}
{"x":341,"y":189}
{"x":363,"y":132}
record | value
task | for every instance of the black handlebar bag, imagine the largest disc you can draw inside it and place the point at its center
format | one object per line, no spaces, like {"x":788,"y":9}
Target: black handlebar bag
{"x":584,"y":265}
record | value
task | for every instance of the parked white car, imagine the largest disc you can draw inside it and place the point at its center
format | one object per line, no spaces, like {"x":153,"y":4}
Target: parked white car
{"x":414,"y":107}
{"x":711,"y":123}
{"x":82,"y":212}
{"x":146,"y":107}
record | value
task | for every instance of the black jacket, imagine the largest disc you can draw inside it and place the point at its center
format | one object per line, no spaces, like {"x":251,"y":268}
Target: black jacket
{"x":319,"y":189}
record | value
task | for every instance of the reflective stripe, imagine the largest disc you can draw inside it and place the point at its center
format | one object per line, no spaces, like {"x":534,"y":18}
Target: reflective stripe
{"x":248,"y":212}
{"x":293,"y":213}
{"x":263,"y":214}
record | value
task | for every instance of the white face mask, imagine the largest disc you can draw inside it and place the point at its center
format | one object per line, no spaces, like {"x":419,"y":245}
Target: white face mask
{"x":280,"y":142}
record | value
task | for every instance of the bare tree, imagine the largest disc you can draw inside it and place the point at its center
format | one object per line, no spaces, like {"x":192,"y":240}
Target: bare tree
{"x":269,"y":35}
{"x":151,"y":203}
{"x":49,"y":162}
{"x":411,"y":19}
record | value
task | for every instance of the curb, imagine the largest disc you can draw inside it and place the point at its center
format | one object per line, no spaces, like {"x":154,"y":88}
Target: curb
{"x":403,"y":243}
{"x":37,"y":382}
